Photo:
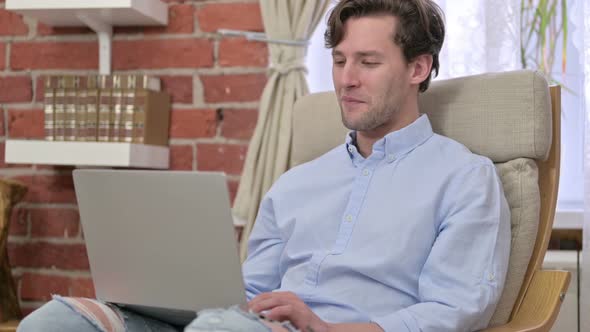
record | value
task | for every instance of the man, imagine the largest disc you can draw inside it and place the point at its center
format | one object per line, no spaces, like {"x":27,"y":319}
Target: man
{"x":398,"y":229}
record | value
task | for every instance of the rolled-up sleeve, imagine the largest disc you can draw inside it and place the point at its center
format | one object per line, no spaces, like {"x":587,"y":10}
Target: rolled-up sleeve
{"x":463,"y":276}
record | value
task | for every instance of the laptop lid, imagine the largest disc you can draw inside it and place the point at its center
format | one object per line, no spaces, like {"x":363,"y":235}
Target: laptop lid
{"x":161,"y":239}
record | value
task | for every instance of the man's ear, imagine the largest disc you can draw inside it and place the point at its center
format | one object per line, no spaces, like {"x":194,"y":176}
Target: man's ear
{"x":421,"y":66}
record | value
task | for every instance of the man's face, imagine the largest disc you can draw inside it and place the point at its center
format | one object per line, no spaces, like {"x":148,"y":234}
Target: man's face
{"x":371,"y":76}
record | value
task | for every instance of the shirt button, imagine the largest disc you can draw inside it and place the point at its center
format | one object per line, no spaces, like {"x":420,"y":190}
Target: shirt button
{"x":366,"y":172}
{"x":390,"y":158}
{"x":348,"y":218}
{"x":491,"y":277}
{"x":350,"y":149}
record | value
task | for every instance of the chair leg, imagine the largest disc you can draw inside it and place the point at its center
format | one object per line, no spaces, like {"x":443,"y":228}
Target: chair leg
{"x":11,"y":192}
{"x":9,"y":307}
{"x":9,"y":326}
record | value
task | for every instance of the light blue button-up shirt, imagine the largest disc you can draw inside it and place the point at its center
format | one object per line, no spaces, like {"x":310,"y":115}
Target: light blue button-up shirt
{"x":416,"y":237}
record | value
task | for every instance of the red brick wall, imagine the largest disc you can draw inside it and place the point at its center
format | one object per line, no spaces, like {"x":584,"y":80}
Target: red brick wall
{"x":215,"y":84}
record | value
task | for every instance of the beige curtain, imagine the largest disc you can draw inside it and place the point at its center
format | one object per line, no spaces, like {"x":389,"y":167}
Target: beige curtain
{"x":268,"y":152}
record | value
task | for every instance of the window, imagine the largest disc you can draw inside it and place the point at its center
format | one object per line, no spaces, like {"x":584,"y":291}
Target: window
{"x":571,"y":190}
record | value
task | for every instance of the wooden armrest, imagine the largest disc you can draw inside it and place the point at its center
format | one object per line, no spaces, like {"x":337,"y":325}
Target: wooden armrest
{"x":540,"y":305}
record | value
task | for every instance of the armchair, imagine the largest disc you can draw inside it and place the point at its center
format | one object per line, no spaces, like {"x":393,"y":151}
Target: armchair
{"x":514,"y":119}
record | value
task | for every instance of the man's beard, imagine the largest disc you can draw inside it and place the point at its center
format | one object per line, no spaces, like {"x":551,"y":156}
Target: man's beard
{"x":373,"y":118}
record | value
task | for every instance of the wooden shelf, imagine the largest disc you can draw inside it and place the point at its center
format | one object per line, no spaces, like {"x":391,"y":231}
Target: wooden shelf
{"x":569,"y":218}
{"x":104,"y":154}
{"x":110,"y":12}
{"x":100,"y":16}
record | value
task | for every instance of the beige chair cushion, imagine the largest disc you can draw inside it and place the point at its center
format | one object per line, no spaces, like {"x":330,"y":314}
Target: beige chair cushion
{"x":520,"y":182}
{"x":503,"y":116}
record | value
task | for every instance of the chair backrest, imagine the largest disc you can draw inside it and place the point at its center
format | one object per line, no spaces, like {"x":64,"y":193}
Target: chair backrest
{"x":510,"y":117}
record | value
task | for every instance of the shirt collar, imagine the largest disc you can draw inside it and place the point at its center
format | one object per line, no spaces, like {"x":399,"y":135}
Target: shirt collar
{"x":395,"y":144}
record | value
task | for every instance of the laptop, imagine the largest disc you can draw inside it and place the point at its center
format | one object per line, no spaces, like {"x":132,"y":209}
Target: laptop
{"x":160,"y":242}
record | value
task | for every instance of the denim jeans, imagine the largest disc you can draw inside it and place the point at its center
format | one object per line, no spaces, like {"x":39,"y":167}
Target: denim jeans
{"x":56,"y":316}
{"x":234,"y":319}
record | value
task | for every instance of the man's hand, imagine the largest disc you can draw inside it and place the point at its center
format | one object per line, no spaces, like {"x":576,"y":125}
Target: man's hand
{"x":288,"y":306}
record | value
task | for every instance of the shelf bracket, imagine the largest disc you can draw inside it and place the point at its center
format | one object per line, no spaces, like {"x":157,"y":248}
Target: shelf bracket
{"x":105,"y":36}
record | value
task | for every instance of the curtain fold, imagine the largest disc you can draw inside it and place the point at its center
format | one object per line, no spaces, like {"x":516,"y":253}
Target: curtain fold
{"x":268,"y":151}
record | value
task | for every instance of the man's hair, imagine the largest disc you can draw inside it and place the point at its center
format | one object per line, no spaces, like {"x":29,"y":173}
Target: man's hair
{"x":420,"y":29}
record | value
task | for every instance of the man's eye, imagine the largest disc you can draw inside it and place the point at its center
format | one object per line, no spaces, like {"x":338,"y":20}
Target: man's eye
{"x":371,"y":63}
{"x":339,"y":62}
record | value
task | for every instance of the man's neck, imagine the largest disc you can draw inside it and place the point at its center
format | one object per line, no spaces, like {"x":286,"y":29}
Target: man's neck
{"x":366,"y":139}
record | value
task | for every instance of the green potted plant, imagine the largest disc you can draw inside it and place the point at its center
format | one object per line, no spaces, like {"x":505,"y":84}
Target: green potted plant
{"x":542,"y":23}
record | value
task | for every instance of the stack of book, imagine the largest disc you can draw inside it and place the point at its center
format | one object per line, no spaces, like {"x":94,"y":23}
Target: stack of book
{"x":106,"y":108}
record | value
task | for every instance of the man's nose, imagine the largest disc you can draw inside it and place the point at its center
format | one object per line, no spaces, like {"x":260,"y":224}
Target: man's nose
{"x":350,"y":77}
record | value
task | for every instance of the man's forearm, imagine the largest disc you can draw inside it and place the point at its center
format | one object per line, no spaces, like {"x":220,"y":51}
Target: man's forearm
{"x":354,"y":327}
